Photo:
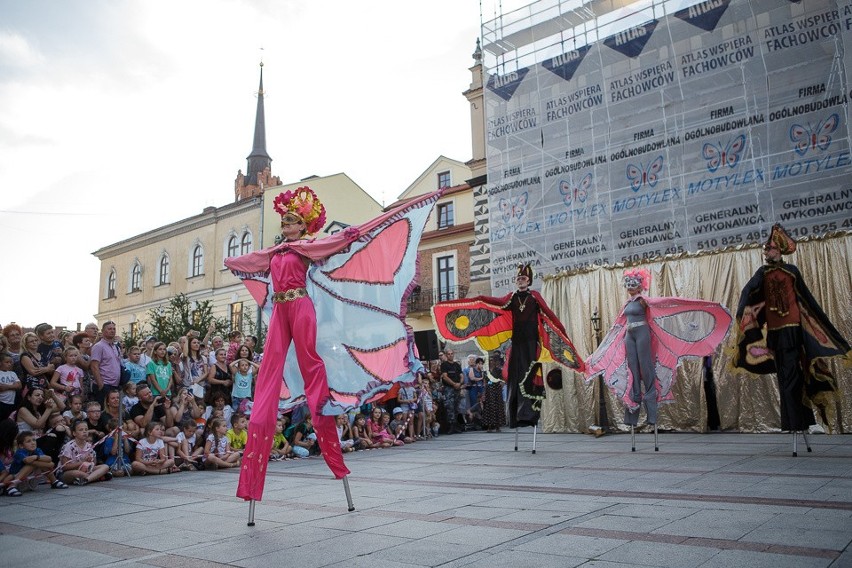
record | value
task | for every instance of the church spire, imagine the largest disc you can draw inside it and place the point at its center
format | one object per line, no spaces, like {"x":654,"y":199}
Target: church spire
{"x":259,"y":159}
{"x":258,"y":174}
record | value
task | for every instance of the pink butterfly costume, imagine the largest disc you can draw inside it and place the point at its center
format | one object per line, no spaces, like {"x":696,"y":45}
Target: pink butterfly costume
{"x":369,"y":264}
{"x":292,"y":321}
{"x":677,"y":328}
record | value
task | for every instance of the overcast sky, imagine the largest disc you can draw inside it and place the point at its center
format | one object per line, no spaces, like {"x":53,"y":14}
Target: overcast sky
{"x":120,"y":116}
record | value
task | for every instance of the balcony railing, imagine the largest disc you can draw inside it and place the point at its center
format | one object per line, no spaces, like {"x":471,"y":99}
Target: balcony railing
{"x":423,"y":300}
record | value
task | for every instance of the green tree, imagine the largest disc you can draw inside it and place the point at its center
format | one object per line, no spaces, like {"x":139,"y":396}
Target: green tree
{"x":171,"y":321}
{"x":250,"y":327}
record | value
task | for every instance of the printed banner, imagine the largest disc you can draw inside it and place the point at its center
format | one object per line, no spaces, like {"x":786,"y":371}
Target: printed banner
{"x":683,"y":126}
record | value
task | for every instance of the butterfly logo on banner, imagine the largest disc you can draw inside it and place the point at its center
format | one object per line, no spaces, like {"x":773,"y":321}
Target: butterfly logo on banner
{"x":717,"y":156}
{"x":807,"y":138}
{"x":579,"y":193}
{"x":513,"y":208}
{"x":639,"y":176}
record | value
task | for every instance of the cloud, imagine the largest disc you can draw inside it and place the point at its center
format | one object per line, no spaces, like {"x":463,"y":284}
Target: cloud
{"x":17,"y":52}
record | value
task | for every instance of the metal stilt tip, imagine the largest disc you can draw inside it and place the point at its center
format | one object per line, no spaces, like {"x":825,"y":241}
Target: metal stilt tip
{"x":533,"y":451}
{"x":349,"y":503}
{"x":251,"y":513}
{"x":795,"y":454}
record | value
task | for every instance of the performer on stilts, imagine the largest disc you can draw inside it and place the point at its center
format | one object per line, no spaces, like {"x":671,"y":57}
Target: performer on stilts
{"x":536,"y":335}
{"x":368,"y":271}
{"x":798,"y":338}
{"x":638,"y":357}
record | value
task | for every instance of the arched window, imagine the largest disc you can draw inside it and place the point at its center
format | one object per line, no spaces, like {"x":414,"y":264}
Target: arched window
{"x":245,"y":245}
{"x":197,"y":261}
{"x":233,"y":246}
{"x":110,"y":287}
{"x":165,"y":270}
{"x":136,"y":278}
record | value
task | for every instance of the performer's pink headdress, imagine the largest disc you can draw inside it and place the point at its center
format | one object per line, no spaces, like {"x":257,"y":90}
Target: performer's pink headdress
{"x":637,"y":278}
{"x":304,"y":204}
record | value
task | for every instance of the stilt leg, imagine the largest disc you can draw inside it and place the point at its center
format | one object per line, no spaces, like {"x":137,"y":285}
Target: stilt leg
{"x":795,"y":443}
{"x":807,"y":444}
{"x":632,"y":438}
{"x":251,"y":513}
{"x":349,"y":502}
{"x":516,"y":438}
{"x":656,"y":444}
{"x":535,"y":428}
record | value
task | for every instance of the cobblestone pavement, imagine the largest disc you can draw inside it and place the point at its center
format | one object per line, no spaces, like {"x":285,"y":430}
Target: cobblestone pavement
{"x":708,"y":500}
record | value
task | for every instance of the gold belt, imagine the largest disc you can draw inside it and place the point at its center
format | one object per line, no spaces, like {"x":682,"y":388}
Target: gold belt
{"x":289,"y":295}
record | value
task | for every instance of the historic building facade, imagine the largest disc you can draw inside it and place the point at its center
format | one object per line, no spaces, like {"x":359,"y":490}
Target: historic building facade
{"x":187,"y":257}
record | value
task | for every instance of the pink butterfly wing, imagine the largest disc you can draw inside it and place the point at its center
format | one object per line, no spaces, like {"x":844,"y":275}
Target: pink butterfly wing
{"x":823,"y":133}
{"x":653,"y":169}
{"x":505,"y":209}
{"x":565,"y":190}
{"x":734,"y":150}
{"x":801,"y":138}
{"x":582,"y":190}
{"x":713,"y":155}
{"x":635,"y":175}
{"x":520,"y":205}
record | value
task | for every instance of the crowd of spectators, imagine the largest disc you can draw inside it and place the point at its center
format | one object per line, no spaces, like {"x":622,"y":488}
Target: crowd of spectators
{"x":81,"y":407}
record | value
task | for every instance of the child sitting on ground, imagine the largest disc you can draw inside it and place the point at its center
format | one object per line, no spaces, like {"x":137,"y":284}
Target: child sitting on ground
{"x":6,"y":483}
{"x":344,"y":433}
{"x":399,"y":425}
{"x":188,"y":451}
{"x":386,"y":421}
{"x":304,"y":440}
{"x":75,"y":410}
{"x":360,"y":433}
{"x":96,"y":421}
{"x":217,"y":450}
{"x":238,"y":435}
{"x":111,"y":446}
{"x":379,"y":435}
{"x":281,"y":449}
{"x":78,"y":458}
{"x":29,"y":460}
{"x":54,"y":437}
{"x":218,"y":401}
{"x":151,"y":455}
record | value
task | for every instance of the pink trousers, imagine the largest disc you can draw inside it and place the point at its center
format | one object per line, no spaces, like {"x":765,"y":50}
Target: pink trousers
{"x":291,"y":321}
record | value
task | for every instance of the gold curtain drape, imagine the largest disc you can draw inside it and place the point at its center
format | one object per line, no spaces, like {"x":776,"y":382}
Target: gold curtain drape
{"x":747,"y":403}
